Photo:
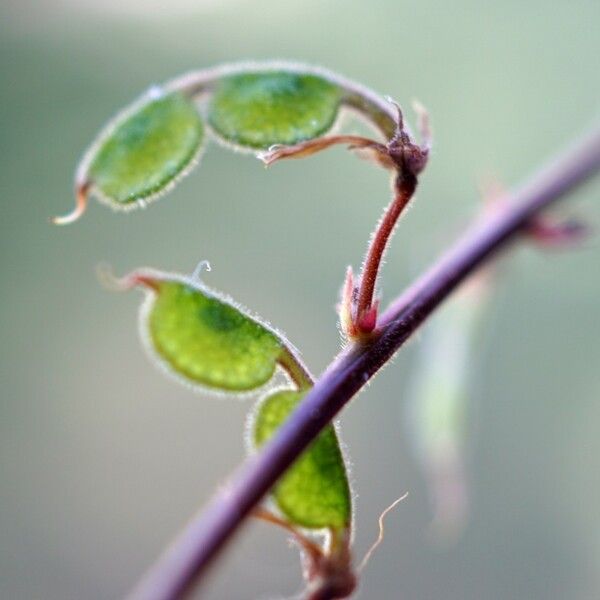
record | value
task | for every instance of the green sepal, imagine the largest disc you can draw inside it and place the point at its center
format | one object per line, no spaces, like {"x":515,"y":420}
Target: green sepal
{"x":145,"y":150}
{"x":314,"y":493}
{"x":258,"y":110}
{"x":204,"y":338}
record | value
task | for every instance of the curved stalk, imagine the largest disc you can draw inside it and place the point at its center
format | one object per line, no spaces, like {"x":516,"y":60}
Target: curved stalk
{"x":378,"y":245}
{"x":296,"y":369}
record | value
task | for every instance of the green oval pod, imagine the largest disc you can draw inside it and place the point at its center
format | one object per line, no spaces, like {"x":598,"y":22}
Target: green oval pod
{"x":314,"y":492}
{"x":141,"y":153}
{"x":261,"y":109}
{"x":147,"y":150}
{"x":204,"y":338}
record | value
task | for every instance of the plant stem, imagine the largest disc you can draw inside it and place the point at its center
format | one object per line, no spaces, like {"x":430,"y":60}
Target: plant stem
{"x":296,"y":369}
{"x":378,"y":244}
{"x":187,"y":560}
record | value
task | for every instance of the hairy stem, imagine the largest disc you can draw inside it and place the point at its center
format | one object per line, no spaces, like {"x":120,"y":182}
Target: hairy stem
{"x":379,"y":242}
{"x":186,"y":561}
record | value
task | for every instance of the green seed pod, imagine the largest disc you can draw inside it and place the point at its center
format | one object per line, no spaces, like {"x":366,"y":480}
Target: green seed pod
{"x":203,"y":338}
{"x":314,"y":492}
{"x":258,"y":110}
{"x":141,"y":153}
{"x":274,"y":109}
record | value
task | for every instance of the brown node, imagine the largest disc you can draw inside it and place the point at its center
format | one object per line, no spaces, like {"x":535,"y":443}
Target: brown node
{"x":409,"y":157}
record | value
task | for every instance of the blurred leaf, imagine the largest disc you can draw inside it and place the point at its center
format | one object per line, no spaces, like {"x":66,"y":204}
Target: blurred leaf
{"x":206,"y":339}
{"x":314,"y":492}
{"x":439,"y":403}
{"x":259,"y":110}
{"x":144,"y":151}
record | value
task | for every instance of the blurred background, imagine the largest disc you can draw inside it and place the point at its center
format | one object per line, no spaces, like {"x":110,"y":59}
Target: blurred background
{"x":102,"y":459}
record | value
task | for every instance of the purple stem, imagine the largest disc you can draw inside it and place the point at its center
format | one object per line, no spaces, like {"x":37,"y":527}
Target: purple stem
{"x":187,"y":559}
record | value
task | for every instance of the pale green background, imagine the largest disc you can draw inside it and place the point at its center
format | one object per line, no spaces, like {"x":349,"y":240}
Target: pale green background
{"x":102,"y":459}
